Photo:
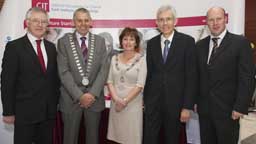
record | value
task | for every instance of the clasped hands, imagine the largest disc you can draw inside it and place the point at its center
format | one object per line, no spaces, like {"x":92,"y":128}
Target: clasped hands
{"x":120,"y":103}
{"x":86,"y":100}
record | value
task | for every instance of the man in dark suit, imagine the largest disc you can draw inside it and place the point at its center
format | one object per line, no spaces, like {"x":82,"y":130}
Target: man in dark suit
{"x":29,"y":82}
{"x":171,"y":80}
{"x":83,"y":68}
{"x":226,"y":81}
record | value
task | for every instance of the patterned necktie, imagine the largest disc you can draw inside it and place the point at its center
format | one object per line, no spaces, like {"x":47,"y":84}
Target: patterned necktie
{"x":40,"y":55}
{"x":214,"y":48}
{"x":84,"y":48}
{"x":166,"y":49}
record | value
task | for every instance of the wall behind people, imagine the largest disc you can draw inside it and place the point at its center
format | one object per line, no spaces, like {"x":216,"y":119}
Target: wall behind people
{"x":111,"y":16}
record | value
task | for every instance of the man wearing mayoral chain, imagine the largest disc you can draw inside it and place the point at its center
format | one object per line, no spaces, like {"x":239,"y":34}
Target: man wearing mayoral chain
{"x":82,"y":66}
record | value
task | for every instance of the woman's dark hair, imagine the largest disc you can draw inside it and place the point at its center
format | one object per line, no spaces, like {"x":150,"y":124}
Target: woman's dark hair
{"x":127,"y":31}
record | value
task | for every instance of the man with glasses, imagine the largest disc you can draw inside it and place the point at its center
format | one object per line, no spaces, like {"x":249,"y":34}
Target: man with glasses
{"x":171,"y":80}
{"x":29,"y":82}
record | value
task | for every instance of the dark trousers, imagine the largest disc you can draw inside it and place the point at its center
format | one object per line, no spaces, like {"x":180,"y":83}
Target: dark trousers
{"x":161,"y":119}
{"x":39,"y":133}
{"x":218,"y":131}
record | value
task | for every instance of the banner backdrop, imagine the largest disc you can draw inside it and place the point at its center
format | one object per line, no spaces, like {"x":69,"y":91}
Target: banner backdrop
{"x":109,"y":17}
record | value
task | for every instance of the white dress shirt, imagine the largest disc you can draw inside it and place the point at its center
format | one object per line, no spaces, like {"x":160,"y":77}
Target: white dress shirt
{"x":163,"y":39}
{"x":221,"y":36}
{"x":32,"y":40}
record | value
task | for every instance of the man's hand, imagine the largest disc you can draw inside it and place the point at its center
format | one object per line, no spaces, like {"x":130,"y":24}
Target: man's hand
{"x":87,"y":100}
{"x":9,"y":119}
{"x":236,"y":115}
{"x":185,"y":115}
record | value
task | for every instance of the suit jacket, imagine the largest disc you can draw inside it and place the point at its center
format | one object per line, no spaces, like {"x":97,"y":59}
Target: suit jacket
{"x":72,"y":88}
{"x":171,"y":85}
{"x":27,"y":92}
{"x":227,"y":83}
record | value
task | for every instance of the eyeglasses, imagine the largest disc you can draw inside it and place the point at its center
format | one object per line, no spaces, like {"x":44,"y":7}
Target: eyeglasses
{"x":167,"y":20}
{"x":38,"y":22}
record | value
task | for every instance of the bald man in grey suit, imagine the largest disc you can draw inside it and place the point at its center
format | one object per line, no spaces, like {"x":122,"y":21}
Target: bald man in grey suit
{"x":82,"y":64}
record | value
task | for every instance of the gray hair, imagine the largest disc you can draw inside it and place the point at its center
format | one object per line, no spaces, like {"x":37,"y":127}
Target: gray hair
{"x":167,"y":8}
{"x":36,"y":9}
{"x":83,"y":10}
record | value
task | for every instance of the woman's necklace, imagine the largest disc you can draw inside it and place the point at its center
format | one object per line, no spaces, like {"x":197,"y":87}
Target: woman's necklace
{"x":123,"y":71}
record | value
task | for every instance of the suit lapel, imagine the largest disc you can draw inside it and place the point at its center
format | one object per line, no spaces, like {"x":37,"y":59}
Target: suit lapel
{"x":29,"y":48}
{"x":79,"y":50}
{"x":171,"y":53}
{"x":89,"y":42}
{"x":223,"y":45}
{"x":50,"y":57}
{"x":157,"y":51}
{"x":92,"y":51}
{"x":205,"y":50}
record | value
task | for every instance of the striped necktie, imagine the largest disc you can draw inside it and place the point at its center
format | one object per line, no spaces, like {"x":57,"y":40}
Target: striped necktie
{"x":214,"y":48}
{"x":84,"y":48}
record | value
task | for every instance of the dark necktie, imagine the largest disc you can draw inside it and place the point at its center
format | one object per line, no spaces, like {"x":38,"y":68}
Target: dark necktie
{"x":166,"y":49}
{"x":214,"y":48}
{"x":84,"y":48}
{"x":40,"y":55}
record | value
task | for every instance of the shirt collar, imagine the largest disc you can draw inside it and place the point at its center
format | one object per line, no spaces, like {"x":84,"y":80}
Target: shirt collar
{"x":32,"y":38}
{"x":221,"y":36}
{"x":78,"y":35}
{"x":169,"y":38}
